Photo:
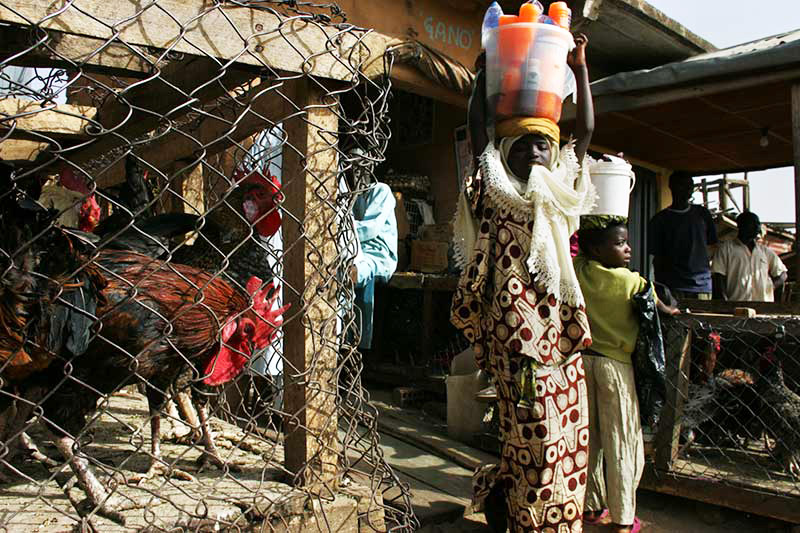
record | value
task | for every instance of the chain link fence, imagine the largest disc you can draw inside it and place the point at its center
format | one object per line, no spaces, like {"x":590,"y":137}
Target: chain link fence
{"x":178,"y":346}
{"x":730,"y":428}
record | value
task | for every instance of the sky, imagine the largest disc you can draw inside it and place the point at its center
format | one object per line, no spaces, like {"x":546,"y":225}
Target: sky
{"x":725,"y":23}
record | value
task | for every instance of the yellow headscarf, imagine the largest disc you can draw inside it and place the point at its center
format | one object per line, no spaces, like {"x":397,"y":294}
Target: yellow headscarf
{"x":517,"y":126}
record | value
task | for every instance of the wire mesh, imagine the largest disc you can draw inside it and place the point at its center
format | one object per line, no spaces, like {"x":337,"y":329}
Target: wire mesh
{"x":178,"y":347}
{"x":732,"y":415}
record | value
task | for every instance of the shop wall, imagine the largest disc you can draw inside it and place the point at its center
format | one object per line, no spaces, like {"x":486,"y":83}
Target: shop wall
{"x":435,"y":159}
{"x":437,"y":23}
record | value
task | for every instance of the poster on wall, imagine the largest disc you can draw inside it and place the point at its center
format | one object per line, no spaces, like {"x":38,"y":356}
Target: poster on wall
{"x":464,"y":160}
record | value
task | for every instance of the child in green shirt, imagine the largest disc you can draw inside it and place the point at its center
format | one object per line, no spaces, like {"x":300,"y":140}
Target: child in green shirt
{"x":615,"y":432}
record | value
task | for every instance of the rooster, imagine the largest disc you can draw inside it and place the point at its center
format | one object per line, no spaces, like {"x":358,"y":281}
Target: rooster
{"x":779,"y":413}
{"x":153,"y":321}
{"x":48,"y":298}
{"x":231,"y":243}
{"x":722,"y":411}
{"x":107,"y":319}
{"x":226,"y":245}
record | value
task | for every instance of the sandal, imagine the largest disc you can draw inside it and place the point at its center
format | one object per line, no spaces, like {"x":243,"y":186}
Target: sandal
{"x":600,"y":519}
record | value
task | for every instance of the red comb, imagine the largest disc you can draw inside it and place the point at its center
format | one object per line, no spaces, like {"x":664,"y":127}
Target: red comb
{"x":271,"y":319}
{"x":67,"y":178}
{"x":255,"y":177}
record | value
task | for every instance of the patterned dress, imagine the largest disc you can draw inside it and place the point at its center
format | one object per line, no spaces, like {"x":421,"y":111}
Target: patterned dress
{"x":515,"y":324}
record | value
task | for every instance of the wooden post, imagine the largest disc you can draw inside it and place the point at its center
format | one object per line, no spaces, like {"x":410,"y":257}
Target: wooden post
{"x":796,"y":144}
{"x":704,"y":186}
{"x":678,"y":346}
{"x":723,"y":193}
{"x":311,"y":342}
{"x":427,"y":326}
{"x":746,"y":193}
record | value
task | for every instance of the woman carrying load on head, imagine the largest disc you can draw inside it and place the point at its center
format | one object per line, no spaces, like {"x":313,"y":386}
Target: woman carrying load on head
{"x":519,"y":304}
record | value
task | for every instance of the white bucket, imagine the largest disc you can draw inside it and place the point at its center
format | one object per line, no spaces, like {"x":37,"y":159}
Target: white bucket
{"x":614,"y":179}
{"x":464,"y":412}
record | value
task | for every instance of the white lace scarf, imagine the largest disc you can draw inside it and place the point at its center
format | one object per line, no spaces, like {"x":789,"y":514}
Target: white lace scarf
{"x":554,"y":199}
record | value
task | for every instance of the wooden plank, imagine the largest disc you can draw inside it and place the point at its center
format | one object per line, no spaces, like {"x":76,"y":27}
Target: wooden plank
{"x":179,"y":88}
{"x":416,"y":280}
{"x":415,"y":430}
{"x":311,"y":342}
{"x":727,"y":307}
{"x":735,"y":496}
{"x":426,"y":340}
{"x":222,"y":127}
{"x":760,"y":325}
{"x":440,"y":490}
{"x":58,"y":49}
{"x":20,"y":150}
{"x":410,"y":79}
{"x":193,"y":191}
{"x":796,"y":150}
{"x":30,"y":116}
{"x":259,"y":37}
{"x":678,"y":344}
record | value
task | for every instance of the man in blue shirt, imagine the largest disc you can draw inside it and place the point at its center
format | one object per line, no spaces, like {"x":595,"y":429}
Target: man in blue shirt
{"x":679,"y":238}
{"x":376,"y":260}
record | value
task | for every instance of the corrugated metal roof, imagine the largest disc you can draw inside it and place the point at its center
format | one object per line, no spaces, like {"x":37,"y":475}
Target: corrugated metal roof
{"x":776,"y":52}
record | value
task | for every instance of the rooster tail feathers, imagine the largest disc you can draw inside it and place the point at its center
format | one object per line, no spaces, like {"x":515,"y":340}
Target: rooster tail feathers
{"x":75,"y":312}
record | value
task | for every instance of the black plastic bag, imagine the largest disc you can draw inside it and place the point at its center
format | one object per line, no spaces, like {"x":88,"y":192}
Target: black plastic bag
{"x":648,"y":358}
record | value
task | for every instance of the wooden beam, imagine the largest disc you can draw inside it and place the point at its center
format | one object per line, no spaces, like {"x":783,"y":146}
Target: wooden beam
{"x":26,"y":47}
{"x":311,"y":336}
{"x":746,"y":193}
{"x":734,"y":494}
{"x":723,"y":194}
{"x":727,"y":307}
{"x":260,"y":37}
{"x":31,"y":117}
{"x":796,"y":148}
{"x":20,"y":150}
{"x":411,"y":80}
{"x":259,"y":108}
{"x":678,"y":344}
{"x":179,"y":88}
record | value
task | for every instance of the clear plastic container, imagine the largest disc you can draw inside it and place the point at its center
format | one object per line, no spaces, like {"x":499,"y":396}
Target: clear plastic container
{"x":526,"y":70}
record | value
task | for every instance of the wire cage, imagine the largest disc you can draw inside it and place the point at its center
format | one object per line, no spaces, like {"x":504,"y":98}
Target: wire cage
{"x":729,"y":431}
{"x":178,"y":347}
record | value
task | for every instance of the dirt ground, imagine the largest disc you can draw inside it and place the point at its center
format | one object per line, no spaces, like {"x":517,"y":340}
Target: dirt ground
{"x":118,"y":445}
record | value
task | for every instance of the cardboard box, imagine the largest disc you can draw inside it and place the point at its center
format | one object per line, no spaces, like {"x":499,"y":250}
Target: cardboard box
{"x":436,"y":232}
{"x":429,"y":256}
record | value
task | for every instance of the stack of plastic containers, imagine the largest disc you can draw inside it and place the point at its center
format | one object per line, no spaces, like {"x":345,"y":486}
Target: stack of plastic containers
{"x":526,"y":60}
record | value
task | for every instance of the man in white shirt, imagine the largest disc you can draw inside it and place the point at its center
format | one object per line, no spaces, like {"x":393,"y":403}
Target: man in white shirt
{"x":744,"y":269}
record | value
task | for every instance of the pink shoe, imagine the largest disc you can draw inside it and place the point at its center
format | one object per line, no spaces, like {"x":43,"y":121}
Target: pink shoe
{"x":601,"y":519}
